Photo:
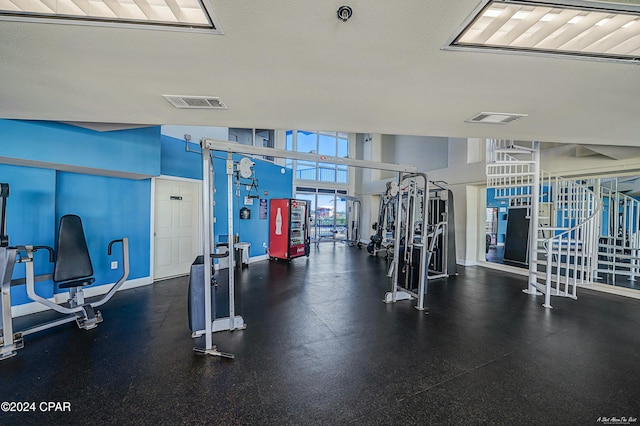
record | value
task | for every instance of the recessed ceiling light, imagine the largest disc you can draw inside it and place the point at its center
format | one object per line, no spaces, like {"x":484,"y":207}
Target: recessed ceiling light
{"x":494,"y":118}
{"x":176,"y":14}
{"x":585,"y":30}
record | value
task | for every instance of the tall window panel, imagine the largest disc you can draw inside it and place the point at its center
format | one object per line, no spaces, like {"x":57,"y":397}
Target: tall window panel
{"x":331,"y":144}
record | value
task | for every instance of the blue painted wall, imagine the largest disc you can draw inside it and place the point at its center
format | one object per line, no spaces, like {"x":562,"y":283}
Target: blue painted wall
{"x":110,"y":208}
{"x":126,"y":151}
{"x":175,"y":160}
{"x":30,"y":220}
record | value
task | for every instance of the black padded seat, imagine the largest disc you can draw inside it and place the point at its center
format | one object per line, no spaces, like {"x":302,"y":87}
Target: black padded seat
{"x":73,"y":265}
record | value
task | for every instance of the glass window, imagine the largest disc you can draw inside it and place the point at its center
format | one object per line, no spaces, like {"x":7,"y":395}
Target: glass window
{"x":343,"y":148}
{"x":327,"y":172}
{"x":327,"y":145}
{"x":289,"y":138}
{"x":306,"y":170}
{"x":342,"y":174}
{"x":325,"y":217}
{"x":331,"y":144}
{"x":307,"y":142}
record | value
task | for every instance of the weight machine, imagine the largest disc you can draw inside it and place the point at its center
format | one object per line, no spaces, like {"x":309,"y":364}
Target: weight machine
{"x":72,"y":270}
{"x":211,"y":323}
{"x":353,"y":210}
{"x":424,"y":243}
{"x":382,"y":240}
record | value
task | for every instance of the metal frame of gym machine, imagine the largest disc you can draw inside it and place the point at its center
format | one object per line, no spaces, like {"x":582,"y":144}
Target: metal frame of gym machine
{"x":407,"y":198}
{"x":412,"y":206}
{"x":83,"y":313}
{"x":234,"y":322}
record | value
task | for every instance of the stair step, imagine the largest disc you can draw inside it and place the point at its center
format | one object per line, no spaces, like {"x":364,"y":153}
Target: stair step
{"x":513,"y":151}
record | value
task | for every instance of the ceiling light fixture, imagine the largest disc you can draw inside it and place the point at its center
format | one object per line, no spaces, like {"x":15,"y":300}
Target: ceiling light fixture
{"x":582,"y":29}
{"x":169,"y":14}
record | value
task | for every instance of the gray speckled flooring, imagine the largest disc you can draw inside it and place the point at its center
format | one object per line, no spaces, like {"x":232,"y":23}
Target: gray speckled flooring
{"x":321,"y":348}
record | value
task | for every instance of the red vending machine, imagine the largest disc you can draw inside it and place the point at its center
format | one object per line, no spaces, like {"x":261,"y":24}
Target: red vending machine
{"x":288,"y":228}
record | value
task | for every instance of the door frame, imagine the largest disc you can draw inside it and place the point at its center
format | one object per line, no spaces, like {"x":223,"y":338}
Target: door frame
{"x":152,"y":231}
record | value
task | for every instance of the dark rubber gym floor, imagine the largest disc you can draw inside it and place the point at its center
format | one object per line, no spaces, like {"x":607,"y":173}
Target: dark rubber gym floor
{"x":321,"y":348}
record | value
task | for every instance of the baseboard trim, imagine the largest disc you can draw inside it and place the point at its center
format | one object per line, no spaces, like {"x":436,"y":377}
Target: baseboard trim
{"x":503,"y":268}
{"x":607,"y":288}
{"x":463,"y":262}
{"x":258,"y":258}
{"x":595,"y":286}
{"x":35,"y":307}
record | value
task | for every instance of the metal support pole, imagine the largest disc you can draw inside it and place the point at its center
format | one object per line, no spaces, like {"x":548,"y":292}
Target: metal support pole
{"x":10,"y":343}
{"x":207,"y":217}
{"x":597,"y":232}
{"x":396,"y":244}
{"x":424,"y":279}
{"x":232,"y":256}
{"x":533,"y":223}
{"x":207,"y":242}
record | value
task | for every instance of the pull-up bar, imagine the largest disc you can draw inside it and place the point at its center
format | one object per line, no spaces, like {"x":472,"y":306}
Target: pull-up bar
{"x":294,"y":155}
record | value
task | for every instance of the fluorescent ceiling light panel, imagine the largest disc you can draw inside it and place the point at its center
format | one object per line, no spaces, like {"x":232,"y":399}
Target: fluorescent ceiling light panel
{"x":587,"y":30}
{"x":192,"y":14}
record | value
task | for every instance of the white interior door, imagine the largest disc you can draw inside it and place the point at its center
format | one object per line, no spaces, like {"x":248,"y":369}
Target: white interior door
{"x":176,"y":227}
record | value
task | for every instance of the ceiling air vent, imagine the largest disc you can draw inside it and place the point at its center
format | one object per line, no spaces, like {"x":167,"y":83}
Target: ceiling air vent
{"x":494,"y":118}
{"x":197,"y":102}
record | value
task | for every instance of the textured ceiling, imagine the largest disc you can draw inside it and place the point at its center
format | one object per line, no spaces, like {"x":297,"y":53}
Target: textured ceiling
{"x":287,"y":64}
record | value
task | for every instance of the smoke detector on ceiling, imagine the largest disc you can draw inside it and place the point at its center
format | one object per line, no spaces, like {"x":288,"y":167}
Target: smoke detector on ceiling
{"x":195,"y":102}
{"x":494,"y":118}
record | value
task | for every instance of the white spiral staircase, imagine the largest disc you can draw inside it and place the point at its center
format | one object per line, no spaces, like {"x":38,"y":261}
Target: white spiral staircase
{"x":563,"y":216}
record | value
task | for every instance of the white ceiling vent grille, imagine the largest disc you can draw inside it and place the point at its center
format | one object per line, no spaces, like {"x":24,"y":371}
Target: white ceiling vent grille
{"x":494,"y":118}
{"x":195,"y":102}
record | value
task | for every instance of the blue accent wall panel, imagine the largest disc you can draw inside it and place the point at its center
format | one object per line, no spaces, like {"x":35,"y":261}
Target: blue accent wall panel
{"x":126,"y":151}
{"x":110,"y":208}
{"x":177,"y":161}
{"x":30,"y":220}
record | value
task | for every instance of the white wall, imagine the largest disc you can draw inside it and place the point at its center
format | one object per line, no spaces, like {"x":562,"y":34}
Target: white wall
{"x":196,"y":132}
{"x":563,"y":161}
{"x":424,"y":152}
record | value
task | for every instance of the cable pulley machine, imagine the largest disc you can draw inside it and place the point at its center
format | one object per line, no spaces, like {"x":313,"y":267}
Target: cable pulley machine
{"x":235,"y":322}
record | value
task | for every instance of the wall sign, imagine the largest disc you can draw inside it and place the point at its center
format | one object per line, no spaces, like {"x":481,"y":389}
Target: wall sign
{"x":263,"y":208}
